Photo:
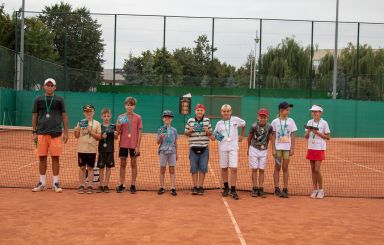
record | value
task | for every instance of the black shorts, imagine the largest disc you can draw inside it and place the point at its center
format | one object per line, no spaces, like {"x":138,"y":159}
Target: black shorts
{"x":86,"y":159}
{"x":123,"y":152}
{"x":106,"y":159}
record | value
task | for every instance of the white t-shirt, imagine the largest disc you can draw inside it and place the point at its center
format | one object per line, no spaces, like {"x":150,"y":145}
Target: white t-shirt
{"x":314,"y":141}
{"x":283,"y":130}
{"x":229,"y":130}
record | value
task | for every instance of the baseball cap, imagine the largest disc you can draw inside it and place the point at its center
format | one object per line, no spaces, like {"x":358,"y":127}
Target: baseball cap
{"x":199,"y":106}
{"x":167,"y":113}
{"x":88,"y":108}
{"x":263,"y":111}
{"x":316,"y":108}
{"x":50,"y":80}
{"x":284,"y":105}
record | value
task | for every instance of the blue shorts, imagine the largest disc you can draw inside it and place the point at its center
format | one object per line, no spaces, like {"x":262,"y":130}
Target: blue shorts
{"x":199,"y":161}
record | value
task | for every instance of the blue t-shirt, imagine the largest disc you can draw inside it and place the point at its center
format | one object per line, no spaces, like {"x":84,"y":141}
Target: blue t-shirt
{"x":168,"y":145}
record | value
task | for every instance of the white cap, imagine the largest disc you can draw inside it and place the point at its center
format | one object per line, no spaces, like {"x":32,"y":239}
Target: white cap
{"x":50,"y":80}
{"x":316,"y":108}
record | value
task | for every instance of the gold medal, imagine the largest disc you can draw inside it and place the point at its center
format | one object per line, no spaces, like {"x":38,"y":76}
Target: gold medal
{"x":262,"y":147}
{"x":105,"y":145}
{"x":47,"y":115}
{"x":129,"y":135}
{"x":228,"y":139}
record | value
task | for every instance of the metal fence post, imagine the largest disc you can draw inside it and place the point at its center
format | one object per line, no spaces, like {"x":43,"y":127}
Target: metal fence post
{"x":357,"y":61}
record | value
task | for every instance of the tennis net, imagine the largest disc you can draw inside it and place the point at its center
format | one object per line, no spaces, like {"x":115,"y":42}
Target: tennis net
{"x":353,"y":167}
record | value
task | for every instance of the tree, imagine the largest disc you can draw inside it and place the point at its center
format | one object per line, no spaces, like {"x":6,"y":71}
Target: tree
{"x":78,"y":41}
{"x":7,"y":29}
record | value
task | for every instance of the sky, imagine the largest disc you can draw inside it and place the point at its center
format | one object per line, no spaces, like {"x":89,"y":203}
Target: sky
{"x":234,"y":39}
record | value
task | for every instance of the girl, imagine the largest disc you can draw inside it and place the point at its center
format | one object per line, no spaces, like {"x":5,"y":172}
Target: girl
{"x":317,"y":131}
{"x":283,"y":144}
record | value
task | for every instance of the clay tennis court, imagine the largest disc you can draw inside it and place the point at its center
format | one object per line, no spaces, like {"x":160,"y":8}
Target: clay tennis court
{"x":353,"y":169}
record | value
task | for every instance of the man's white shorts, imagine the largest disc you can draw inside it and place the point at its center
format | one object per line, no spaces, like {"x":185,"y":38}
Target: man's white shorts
{"x":228,"y":159}
{"x":257,"y":159}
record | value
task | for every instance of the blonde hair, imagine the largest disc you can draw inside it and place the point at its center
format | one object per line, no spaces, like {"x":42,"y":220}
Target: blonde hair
{"x":226,"y":106}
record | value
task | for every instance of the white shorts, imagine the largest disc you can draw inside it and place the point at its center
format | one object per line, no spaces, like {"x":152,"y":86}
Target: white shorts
{"x":228,"y":159}
{"x":257,"y":159}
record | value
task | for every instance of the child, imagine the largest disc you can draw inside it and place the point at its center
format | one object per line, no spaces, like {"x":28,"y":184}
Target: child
{"x":167,"y":140}
{"x":106,"y":150}
{"x":198,"y":129}
{"x":226,"y":132}
{"x":258,"y":139}
{"x":317,"y":131}
{"x":129,"y":126}
{"x":88,"y":132}
{"x":283,"y":145}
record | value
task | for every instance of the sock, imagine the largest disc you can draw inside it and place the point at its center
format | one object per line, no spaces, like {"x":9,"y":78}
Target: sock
{"x":55,"y":179}
{"x":42,"y":179}
{"x":255,"y":188}
{"x":226,"y":186}
{"x":233,"y":188}
{"x":276,"y":188}
{"x":261,"y":188}
{"x":132,"y":186}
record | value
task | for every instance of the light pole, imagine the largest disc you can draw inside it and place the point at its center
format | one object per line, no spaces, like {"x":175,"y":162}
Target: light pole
{"x":251,"y":71}
{"x":334,"y":86}
{"x":20,"y":57}
{"x":257,"y":40}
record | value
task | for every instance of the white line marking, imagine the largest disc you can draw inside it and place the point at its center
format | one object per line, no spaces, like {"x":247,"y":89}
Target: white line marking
{"x":363,"y":166}
{"x":229,"y":211}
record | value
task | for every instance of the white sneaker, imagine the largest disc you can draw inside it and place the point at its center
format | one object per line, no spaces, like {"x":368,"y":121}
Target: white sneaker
{"x":314,"y":193}
{"x":320,"y":194}
{"x":39,"y":187}
{"x":57,"y":188}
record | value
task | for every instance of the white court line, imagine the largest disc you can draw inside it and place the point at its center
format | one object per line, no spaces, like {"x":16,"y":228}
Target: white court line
{"x":363,"y":166}
{"x":229,"y":211}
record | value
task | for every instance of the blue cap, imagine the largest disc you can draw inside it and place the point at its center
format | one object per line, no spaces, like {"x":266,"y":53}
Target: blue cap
{"x":284,"y":105}
{"x":167,"y":113}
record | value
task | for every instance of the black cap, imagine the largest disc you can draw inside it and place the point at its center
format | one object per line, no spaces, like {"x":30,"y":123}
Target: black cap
{"x":167,"y":113}
{"x":284,"y":105}
{"x":88,"y":108}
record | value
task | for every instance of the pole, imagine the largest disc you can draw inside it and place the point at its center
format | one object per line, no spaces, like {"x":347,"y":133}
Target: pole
{"x":20,"y":63}
{"x":66,"y":87}
{"x":311,"y":66}
{"x":163,"y":64}
{"x":254,"y":69}
{"x":258,"y":74}
{"x":212,"y":50}
{"x":334,"y":87}
{"x":250,"y":74}
{"x":357,"y":61}
{"x":114,"y":66}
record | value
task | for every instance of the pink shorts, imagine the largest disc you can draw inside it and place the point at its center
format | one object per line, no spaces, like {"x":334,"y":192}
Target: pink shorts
{"x":316,"y":155}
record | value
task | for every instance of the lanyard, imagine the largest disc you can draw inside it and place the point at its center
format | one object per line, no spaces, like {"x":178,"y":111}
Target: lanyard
{"x":129,"y":126}
{"x":48,"y":108}
{"x":229,"y":127}
{"x":89,"y":133}
{"x":314,"y":135}
{"x":263,"y":133}
{"x":285,"y":127}
{"x":168,"y":135}
{"x":106,"y":130}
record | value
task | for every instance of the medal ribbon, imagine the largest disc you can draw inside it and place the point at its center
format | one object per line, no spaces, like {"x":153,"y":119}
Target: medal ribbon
{"x":48,"y":108}
{"x":313,"y":134}
{"x":229,"y":127}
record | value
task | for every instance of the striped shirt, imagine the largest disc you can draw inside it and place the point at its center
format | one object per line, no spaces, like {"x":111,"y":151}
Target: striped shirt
{"x":198,"y":137}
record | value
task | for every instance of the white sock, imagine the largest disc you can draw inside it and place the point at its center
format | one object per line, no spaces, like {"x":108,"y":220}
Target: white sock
{"x":55,"y":179}
{"x":42,"y":179}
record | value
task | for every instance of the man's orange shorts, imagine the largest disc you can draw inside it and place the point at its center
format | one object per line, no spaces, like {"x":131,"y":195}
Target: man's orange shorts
{"x":47,"y":144}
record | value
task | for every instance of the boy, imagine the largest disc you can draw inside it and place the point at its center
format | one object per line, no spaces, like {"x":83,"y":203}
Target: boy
{"x":283,"y":145}
{"x":198,"y":129}
{"x":129,"y":125}
{"x":106,"y":150}
{"x":88,"y":132}
{"x":258,"y":139}
{"x":48,"y":115}
{"x":226,"y":132}
{"x":167,"y":140}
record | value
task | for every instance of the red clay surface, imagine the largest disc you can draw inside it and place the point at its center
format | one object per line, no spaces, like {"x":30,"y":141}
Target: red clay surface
{"x":146,"y":218}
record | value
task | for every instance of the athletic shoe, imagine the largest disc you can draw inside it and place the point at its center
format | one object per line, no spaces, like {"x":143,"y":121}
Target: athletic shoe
{"x":173,"y":192}
{"x":284,"y":193}
{"x":320,"y":194}
{"x":106,"y":189}
{"x":225,"y":192}
{"x":234,"y":195}
{"x":39,"y":187}
{"x":81,"y":189}
{"x":277,"y":191}
{"x":99,"y":189}
{"x":57,"y":188}
{"x":161,"y":191}
{"x":89,"y":190}
{"x":255,"y":192}
{"x":120,"y":188}
{"x":261,"y":192}
{"x":200,"y":191}
{"x":133,"y":189}
{"x":195,"y":191}
{"x":314,"y":194}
